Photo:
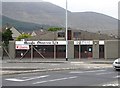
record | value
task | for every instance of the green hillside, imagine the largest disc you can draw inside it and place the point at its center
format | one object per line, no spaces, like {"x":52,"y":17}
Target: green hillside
{"x":22,"y":26}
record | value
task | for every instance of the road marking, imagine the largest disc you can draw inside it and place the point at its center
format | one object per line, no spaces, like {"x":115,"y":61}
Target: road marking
{"x":86,"y":71}
{"x":116,"y":84}
{"x":118,"y":76}
{"x":54,"y":64}
{"x":104,"y":73}
{"x":53,"y":80}
{"x":23,"y":80}
{"x":76,"y":62}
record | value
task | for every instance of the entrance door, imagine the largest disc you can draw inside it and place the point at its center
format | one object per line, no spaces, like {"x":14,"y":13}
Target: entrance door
{"x":46,"y":50}
{"x":86,"y":51}
{"x":60,"y":51}
{"x":76,"y":51}
{"x":101,"y":51}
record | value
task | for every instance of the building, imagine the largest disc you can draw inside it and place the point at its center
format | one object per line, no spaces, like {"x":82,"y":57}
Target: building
{"x":81,"y":44}
{"x":15,"y":32}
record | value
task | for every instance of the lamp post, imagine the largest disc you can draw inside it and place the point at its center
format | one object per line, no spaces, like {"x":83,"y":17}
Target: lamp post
{"x":66,"y":34}
{"x":79,"y":45}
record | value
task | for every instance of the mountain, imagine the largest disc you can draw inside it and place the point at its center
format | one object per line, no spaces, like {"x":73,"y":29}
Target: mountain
{"x":22,"y":26}
{"x":94,"y":22}
{"x":50,"y":14}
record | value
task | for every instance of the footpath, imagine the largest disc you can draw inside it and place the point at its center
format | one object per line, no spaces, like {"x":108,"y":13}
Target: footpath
{"x":17,"y":66}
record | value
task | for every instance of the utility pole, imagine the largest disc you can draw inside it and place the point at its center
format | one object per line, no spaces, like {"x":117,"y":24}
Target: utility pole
{"x":66,"y":33}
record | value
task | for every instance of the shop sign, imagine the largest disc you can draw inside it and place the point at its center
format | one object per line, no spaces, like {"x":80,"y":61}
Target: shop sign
{"x":83,"y":42}
{"x":101,"y":42}
{"x":19,"y":42}
{"x":25,"y":47}
{"x":86,"y":42}
{"x":60,"y":42}
{"x":29,"y":42}
{"x":44,"y":43}
{"x":40,"y":42}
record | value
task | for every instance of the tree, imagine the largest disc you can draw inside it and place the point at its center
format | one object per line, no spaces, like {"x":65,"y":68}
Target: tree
{"x":7,"y":36}
{"x":23,"y":36}
{"x":54,"y":29}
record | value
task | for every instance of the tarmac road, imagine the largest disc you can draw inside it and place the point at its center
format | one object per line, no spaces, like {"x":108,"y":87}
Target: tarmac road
{"x":94,"y":77}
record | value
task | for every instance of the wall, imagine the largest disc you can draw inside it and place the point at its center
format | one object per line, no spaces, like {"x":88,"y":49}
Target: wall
{"x":96,"y":49}
{"x":111,"y":49}
{"x":12,"y":49}
{"x":70,"y":49}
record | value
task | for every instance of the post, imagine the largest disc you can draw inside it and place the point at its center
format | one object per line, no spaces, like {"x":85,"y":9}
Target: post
{"x":54,"y":46}
{"x":79,"y":49}
{"x":66,"y":34}
{"x":54,"y":50}
{"x":32,"y":50}
{"x":79,"y":46}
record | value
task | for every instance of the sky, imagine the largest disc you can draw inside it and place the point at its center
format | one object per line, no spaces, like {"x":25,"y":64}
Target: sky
{"x":108,"y":7}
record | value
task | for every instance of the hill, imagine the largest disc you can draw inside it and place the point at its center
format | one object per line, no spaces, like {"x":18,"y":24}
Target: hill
{"x":50,"y":14}
{"x":22,"y":26}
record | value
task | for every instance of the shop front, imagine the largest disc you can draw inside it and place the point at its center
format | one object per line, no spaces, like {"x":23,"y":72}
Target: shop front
{"x":57,"y":49}
{"x":83,"y":49}
{"x":40,"y":49}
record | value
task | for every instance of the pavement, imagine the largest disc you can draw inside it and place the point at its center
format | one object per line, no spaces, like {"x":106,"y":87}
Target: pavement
{"x":17,"y":66}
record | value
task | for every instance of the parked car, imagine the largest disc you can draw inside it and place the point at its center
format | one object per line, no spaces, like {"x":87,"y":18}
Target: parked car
{"x":116,"y":64}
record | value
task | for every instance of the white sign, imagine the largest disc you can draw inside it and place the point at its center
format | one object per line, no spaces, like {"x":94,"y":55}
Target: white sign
{"x":35,"y":42}
{"x":76,"y":42}
{"x":60,"y":42}
{"x":40,"y":42}
{"x":25,"y":47}
{"x":19,"y":42}
{"x":83,"y":42}
{"x":86,"y":42}
{"x":101,"y":42}
{"x":44,"y":43}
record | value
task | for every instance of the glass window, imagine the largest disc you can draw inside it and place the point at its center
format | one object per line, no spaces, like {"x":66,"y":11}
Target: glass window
{"x":61,"y":34}
{"x":76,"y":34}
{"x":61,"y":48}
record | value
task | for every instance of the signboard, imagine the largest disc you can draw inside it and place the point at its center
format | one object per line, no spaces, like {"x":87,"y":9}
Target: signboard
{"x":60,"y":42}
{"x":101,"y":42}
{"x":83,"y":42}
{"x":40,"y":42}
{"x":35,"y":42}
{"x":23,"y":47}
{"x":86,"y":42}
{"x":76,"y":42}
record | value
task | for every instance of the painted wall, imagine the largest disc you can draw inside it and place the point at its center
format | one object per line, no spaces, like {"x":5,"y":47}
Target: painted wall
{"x":111,"y":49}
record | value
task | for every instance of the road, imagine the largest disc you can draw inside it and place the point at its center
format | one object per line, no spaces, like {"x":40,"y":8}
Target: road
{"x":100,"y":77}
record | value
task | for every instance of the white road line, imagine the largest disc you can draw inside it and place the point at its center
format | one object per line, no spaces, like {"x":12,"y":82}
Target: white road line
{"x":53,"y":80}
{"x":118,"y":76}
{"x":116,"y":84}
{"x":23,"y":80}
{"x":54,"y":64}
{"x":105,"y":73}
{"x":86,"y":71}
{"x":76,"y":62}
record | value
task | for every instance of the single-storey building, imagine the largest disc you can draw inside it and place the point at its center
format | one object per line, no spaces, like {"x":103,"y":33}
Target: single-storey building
{"x":81,"y":44}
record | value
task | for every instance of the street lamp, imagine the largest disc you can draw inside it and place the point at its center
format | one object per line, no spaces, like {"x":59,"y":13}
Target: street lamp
{"x":66,"y":34}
